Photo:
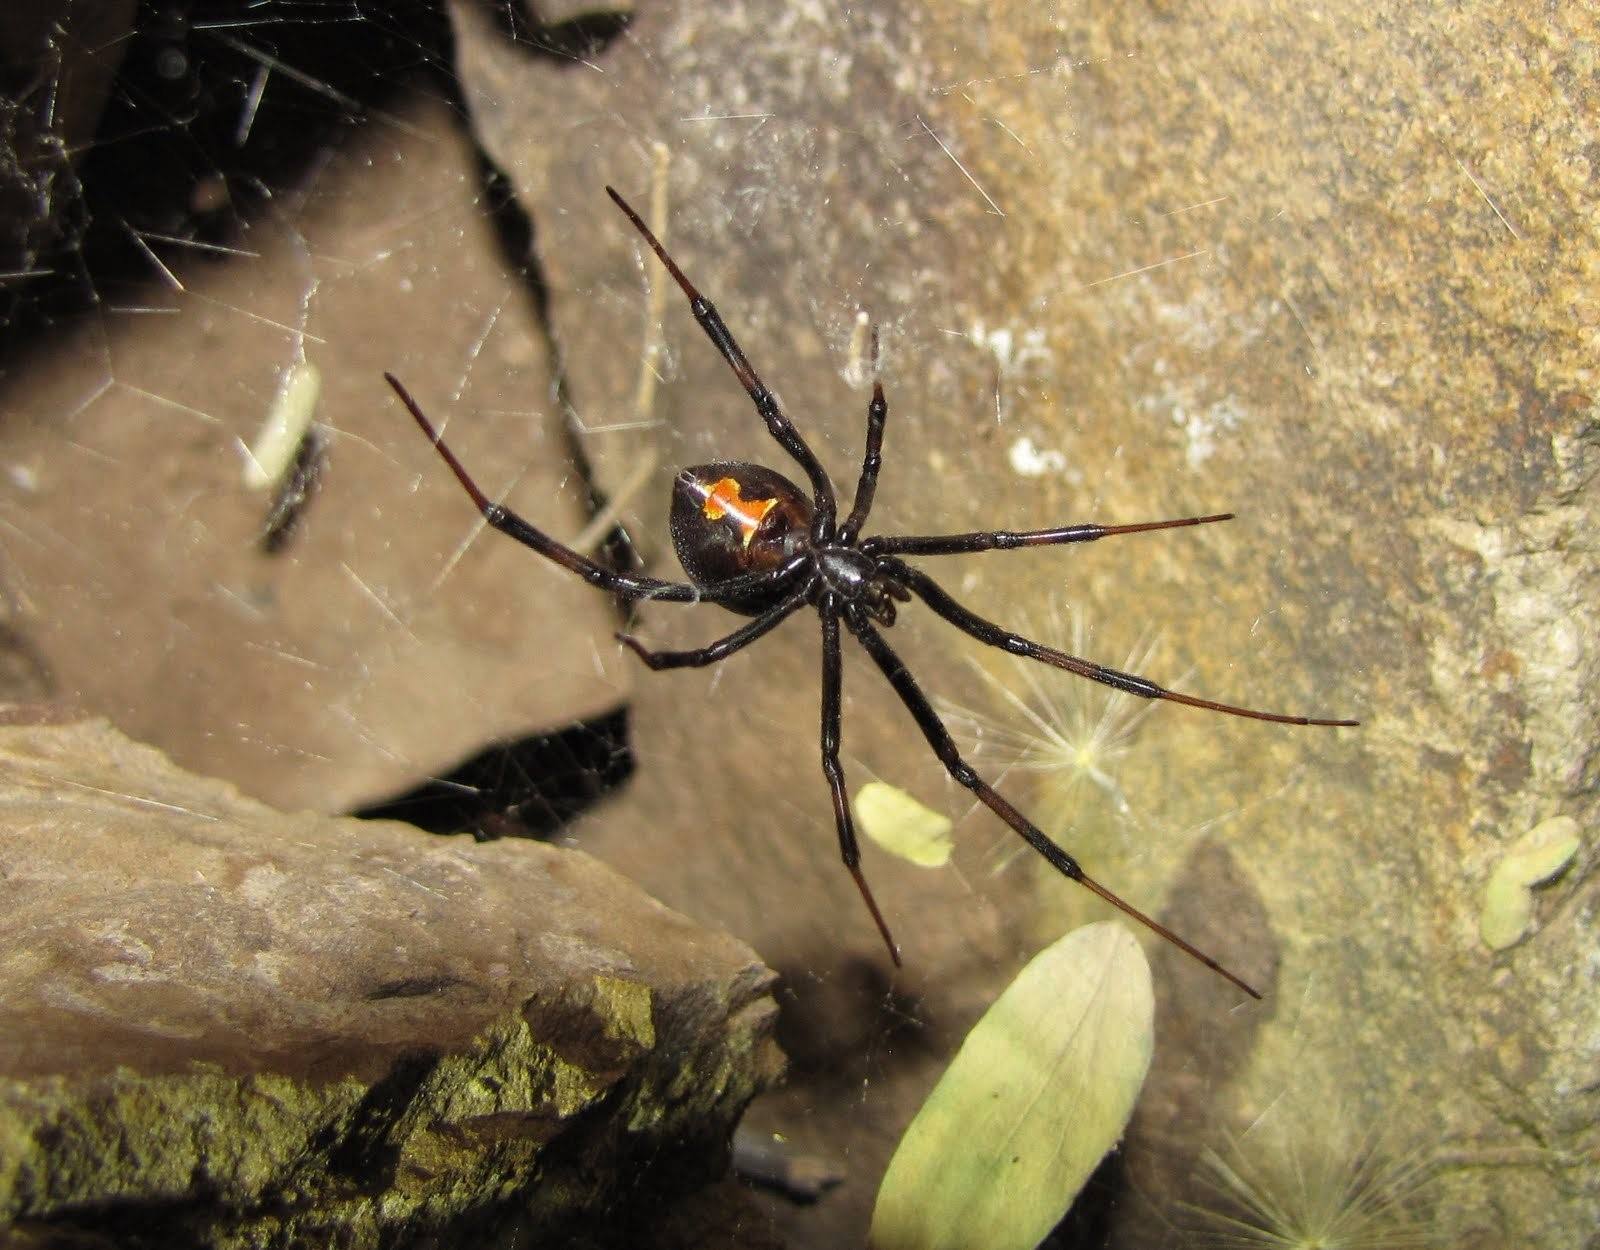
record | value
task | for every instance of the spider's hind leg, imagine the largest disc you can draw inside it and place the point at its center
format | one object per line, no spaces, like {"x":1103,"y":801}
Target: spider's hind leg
{"x":722,"y":648}
{"x":899,"y":677}
{"x":502,"y":518}
{"x":986,"y":631}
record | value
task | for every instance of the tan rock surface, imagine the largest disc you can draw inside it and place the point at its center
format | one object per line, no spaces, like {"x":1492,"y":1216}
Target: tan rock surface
{"x":1333,"y":268}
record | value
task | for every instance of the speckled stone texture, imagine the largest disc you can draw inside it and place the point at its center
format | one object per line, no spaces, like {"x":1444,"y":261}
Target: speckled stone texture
{"x":227,"y":1026}
{"x":1332,"y":267}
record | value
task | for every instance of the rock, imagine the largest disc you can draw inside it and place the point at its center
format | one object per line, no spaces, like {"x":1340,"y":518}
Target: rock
{"x":391,"y":638}
{"x":226,"y":1025}
{"x":1335,"y":274}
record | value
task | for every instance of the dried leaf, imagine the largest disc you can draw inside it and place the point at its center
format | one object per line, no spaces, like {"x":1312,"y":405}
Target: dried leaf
{"x":1532,"y":859}
{"x":902,"y":826}
{"x":1039,"y":1092}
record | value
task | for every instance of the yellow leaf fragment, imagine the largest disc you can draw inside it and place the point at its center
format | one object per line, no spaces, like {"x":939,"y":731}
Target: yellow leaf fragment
{"x":1039,"y":1092}
{"x":903,"y":826}
{"x":1531,"y":860}
{"x":291,"y":414}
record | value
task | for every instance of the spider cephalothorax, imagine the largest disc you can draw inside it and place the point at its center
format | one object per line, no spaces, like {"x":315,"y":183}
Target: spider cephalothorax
{"x":750,"y":540}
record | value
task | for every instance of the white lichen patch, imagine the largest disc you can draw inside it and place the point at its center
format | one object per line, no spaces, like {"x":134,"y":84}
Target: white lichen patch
{"x":1532,"y":860}
{"x":1015,"y":352}
{"x":262,"y":884}
{"x":1537,"y":568}
{"x":128,"y":948}
{"x":1205,"y":429}
{"x":1030,"y":460}
{"x":1206,"y":319}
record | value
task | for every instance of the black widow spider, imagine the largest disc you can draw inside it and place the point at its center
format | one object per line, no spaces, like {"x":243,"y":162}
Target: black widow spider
{"x":750,"y":541}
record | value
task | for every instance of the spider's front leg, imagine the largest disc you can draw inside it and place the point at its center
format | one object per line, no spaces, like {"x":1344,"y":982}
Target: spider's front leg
{"x":777,"y":422}
{"x":871,"y":459}
{"x":1013,"y":540}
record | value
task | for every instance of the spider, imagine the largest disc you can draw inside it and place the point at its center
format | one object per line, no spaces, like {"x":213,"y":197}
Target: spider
{"x":750,"y":540}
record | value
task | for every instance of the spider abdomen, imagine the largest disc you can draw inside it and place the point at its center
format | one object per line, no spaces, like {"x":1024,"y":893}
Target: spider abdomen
{"x":731,"y":518}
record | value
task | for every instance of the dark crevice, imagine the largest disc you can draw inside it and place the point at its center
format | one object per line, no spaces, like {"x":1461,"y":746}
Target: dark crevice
{"x":518,"y":239}
{"x":1089,"y":1221}
{"x":528,"y":788}
{"x":365,"y":1152}
{"x":413,"y":987}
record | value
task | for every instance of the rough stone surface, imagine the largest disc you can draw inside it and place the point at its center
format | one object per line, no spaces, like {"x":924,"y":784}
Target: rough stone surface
{"x":386,"y":643}
{"x":1332,"y":268}
{"x":225,"y":1024}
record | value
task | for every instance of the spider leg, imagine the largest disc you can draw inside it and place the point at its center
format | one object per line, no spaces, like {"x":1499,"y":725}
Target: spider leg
{"x":778,"y":425}
{"x":872,"y":460}
{"x":831,"y":685}
{"x":722,"y":648}
{"x":1010,"y":540}
{"x":506,"y":521}
{"x":733,"y":589}
{"x":931,"y":593}
{"x":894,"y":669}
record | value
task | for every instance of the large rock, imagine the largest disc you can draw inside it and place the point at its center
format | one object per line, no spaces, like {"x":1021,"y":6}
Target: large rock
{"x":1330,"y":267}
{"x":392,"y":636}
{"x":225,"y":1023}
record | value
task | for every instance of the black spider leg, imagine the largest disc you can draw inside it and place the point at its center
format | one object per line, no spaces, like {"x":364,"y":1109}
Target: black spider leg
{"x":778,"y":425}
{"x":832,"y":683}
{"x":931,"y":593}
{"x":700,"y":657}
{"x":1009,"y":540}
{"x":506,"y":521}
{"x":894,"y":669}
{"x":872,"y":460}
{"x":722,"y":648}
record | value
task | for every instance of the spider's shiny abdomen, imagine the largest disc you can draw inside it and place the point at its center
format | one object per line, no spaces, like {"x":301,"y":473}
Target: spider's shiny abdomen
{"x":731,"y":518}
